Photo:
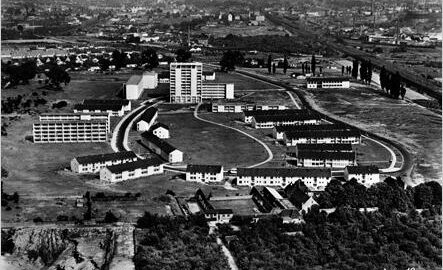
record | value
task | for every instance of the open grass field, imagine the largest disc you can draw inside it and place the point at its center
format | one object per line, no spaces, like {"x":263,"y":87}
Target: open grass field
{"x":268,"y":97}
{"x":241,"y":83}
{"x":372,"y":153}
{"x":204,"y":143}
{"x":418,"y":129}
{"x":241,"y":30}
{"x":240,"y":207}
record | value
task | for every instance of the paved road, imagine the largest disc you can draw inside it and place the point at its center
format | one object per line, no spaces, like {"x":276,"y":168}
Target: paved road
{"x":270,"y":155}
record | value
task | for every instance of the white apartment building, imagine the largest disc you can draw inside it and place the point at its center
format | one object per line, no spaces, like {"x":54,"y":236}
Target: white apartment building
{"x":326,"y":159}
{"x":365,"y":175}
{"x":327,"y":82}
{"x":186,"y":82}
{"x":322,"y":136}
{"x":70,"y":131}
{"x":93,"y":163}
{"x":204,"y":173}
{"x":218,"y":91}
{"x":316,"y":179}
{"x":131,"y":170}
{"x":76,"y":117}
{"x":147,"y":119}
{"x":137,"y":83}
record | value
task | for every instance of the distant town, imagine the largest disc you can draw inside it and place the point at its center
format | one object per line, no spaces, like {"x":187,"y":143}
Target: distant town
{"x":221,"y":135}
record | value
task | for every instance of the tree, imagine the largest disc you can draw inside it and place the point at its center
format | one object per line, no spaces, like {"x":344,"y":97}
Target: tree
{"x":342,"y":70}
{"x":230,"y":59}
{"x":149,"y":58}
{"x":269,"y":65}
{"x":274,"y":68}
{"x":303,"y":68}
{"x":383,"y":78}
{"x":104,"y":63}
{"x":15,"y":197}
{"x":110,"y":217}
{"x":395,"y":85}
{"x":57,"y":76}
{"x":118,"y":59}
{"x":183,"y":55}
{"x":354,"y":69}
{"x":313,"y":64}
{"x":285,"y":64}
{"x":369,"y":72}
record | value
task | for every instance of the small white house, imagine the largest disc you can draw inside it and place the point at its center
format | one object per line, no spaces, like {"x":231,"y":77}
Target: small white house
{"x":161,"y":130}
{"x":365,"y":175}
{"x":204,"y":173}
{"x":147,"y":119}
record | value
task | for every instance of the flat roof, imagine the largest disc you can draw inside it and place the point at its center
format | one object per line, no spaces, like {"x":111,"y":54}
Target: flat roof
{"x":106,"y":157}
{"x":292,"y":117}
{"x":321,"y":147}
{"x":120,"y":102}
{"x":362,"y":169}
{"x":101,"y":107}
{"x":77,"y":113}
{"x":313,"y":127}
{"x":326,"y":155}
{"x":93,"y":121}
{"x":277,"y":112}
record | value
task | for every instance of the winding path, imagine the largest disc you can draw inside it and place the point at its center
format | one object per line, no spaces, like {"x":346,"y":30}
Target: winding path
{"x":270,"y":155}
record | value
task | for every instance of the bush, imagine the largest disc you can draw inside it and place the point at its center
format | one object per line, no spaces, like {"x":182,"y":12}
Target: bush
{"x":59,"y":104}
{"x":37,"y":219}
{"x":110,"y":217}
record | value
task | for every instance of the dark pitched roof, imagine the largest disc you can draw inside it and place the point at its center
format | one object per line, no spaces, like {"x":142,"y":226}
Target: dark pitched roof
{"x":157,"y":125}
{"x":121,"y":102}
{"x":206,"y":73}
{"x":324,"y":147}
{"x":100,"y":107}
{"x":321,"y":133}
{"x":148,"y":114}
{"x":285,"y":172}
{"x":326,"y":155}
{"x":163,"y":145}
{"x":320,"y":79}
{"x":362,"y":169}
{"x":291,"y":213}
{"x":105,"y":157}
{"x":130,"y":166}
{"x":219,"y":211}
{"x":277,"y":112}
{"x":164,"y":75}
{"x":313,"y":127}
{"x":204,"y":168}
{"x":292,"y":117}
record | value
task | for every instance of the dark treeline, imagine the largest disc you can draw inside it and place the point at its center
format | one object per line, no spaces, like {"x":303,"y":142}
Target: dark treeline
{"x":392,"y":84}
{"x":395,"y":237}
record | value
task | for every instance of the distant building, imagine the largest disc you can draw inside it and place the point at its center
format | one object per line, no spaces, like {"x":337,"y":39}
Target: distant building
{"x":237,"y":107}
{"x":126,"y":104}
{"x":162,"y":148}
{"x":326,"y":159}
{"x":147,"y":119}
{"x":279,"y":131}
{"x":219,"y":215}
{"x":322,"y":136}
{"x":208,"y":75}
{"x":270,"y":121}
{"x":217,"y":91}
{"x":160,"y":130}
{"x":111,"y":109}
{"x":327,"y":82}
{"x":131,"y":170}
{"x":93,"y":163}
{"x":249,"y":114}
{"x":315,"y":179}
{"x":204,"y":173}
{"x":137,"y":83}
{"x":365,"y":175}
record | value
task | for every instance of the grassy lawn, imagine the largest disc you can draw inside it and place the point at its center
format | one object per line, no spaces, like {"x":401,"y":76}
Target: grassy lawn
{"x":241,"y":82}
{"x":372,"y":153}
{"x":268,"y":97}
{"x":240,"y":207}
{"x":418,"y":129}
{"x":204,"y":143}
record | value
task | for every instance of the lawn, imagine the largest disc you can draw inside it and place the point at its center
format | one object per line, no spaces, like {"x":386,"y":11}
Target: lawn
{"x":241,"y":83}
{"x":205,"y":143}
{"x":372,"y":153}
{"x":418,"y":129}
{"x":268,"y":97}
{"x":239,"y":207}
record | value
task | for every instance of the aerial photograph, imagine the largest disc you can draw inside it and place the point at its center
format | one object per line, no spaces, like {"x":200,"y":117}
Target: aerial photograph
{"x":221,"y":135}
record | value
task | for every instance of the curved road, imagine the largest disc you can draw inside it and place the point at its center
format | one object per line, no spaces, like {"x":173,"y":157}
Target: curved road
{"x":270,"y":155}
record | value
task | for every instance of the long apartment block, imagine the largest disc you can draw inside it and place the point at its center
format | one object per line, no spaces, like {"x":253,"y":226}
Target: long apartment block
{"x":71,"y":128}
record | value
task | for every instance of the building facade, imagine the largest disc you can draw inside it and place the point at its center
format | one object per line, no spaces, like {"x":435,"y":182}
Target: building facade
{"x":137,"y":83}
{"x":147,"y":119}
{"x":319,"y":137}
{"x":326,"y":159}
{"x":131,"y":170}
{"x":162,"y":148}
{"x":218,"y":91}
{"x":327,"y":82}
{"x":79,"y":131}
{"x":94,"y":163}
{"x":186,"y":82}
{"x":111,"y":109}
{"x":204,"y":173}
{"x":270,"y":121}
{"x":161,"y":130}
{"x":365,"y":175}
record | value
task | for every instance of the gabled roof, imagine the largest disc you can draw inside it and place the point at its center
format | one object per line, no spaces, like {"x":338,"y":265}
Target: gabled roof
{"x":213,"y":169}
{"x":285,"y":172}
{"x":207,"y":73}
{"x":324,"y":147}
{"x":106,"y":157}
{"x":131,"y":166}
{"x":290,"y":213}
{"x":362,"y":169}
{"x":163,"y":145}
{"x":326,"y":155}
{"x":293,"y":117}
{"x":321,"y":133}
{"x":121,"y":102}
{"x":157,"y":125}
{"x":134,"y":80}
{"x":100,"y":107}
{"x":148,"y":115}
{"x":313,"y":127}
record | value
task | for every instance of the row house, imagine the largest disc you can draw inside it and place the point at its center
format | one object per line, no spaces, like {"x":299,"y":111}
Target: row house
{"x":270,"y":121}
{"x":326,"y":159}
{"x":204,"y":173}
{"x":147,"y":119}
{"x":279,"y":131}
{"x":94,"y":163}
{"x":162,"y":148}
{"x":131,"y":170}
{"x":365,"y":175}
{"x":322,"y":136}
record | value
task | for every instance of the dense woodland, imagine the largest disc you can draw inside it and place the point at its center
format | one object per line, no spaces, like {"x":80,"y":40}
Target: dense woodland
{"x":396,"y":237}
{"x":165,"y":243}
